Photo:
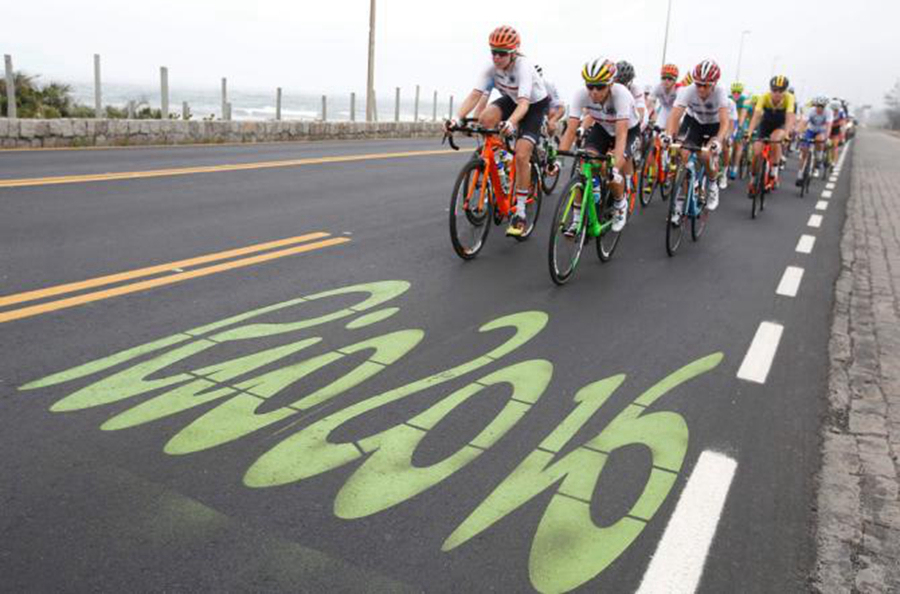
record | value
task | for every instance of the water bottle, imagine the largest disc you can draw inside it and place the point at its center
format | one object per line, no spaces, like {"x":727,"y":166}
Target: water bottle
{"x":597,"y":190}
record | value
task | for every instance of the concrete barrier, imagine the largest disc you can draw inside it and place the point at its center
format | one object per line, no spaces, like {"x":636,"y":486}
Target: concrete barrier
{"x":29,"y":133}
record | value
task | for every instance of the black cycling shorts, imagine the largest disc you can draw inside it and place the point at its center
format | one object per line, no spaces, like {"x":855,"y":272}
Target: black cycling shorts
{"x":770,"y":123}
{"x":603,"y":142}
{"x":694,"y":133}
{"x":530,"y":126}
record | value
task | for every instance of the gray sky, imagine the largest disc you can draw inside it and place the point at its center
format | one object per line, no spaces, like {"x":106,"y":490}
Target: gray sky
{"x":321,"y":46}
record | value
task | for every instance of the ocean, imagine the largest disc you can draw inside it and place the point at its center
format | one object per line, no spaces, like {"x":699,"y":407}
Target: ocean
{"x":255,"y":105}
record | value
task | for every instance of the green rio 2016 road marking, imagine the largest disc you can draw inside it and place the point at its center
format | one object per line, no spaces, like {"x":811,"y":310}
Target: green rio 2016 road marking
{"x":567,"y":551}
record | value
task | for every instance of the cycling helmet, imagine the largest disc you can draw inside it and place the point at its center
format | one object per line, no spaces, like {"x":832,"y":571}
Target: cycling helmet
{"x":820,"y":101}
{"x":835,"y":104}
{"x":504,"y":38}
{"x":670,"y":70}
{"x":779,"y":83}
{"x":624,"y":72}
{"x":707,"y":72}
{"x":737,"y":87}
{"x":599,"y":72}
{"x":687,"y":81}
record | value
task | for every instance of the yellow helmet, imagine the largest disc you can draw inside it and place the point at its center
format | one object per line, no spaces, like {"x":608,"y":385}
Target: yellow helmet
{"x":599,"y":72}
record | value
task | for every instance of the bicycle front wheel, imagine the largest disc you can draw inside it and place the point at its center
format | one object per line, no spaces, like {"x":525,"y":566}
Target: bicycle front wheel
{"x":470,"y":210}
{"x":678,"y":196}
{"x":609,"y":239}
{"x":698,"y":221}
{"x":565,"y":250}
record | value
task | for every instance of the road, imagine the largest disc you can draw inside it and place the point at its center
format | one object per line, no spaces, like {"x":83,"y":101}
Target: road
{"x":441,"y":425}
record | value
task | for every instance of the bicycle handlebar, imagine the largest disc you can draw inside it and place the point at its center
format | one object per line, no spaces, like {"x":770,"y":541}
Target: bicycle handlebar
{"x":468,"y":130}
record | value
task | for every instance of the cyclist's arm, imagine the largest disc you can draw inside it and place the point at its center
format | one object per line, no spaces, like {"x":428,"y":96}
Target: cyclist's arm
{"x":724,"y":123}
{"x":569,"y":136}
{"x":470,"y":102}
{"x":674,"y":120}
{"x":754,"y":122}
{"x":522,"y":106}
{"x":621,"y":142}
{"x":790,"y":120}
{"x":482,"y":104}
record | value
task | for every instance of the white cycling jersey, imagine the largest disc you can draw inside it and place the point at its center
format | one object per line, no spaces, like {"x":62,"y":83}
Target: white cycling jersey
{"x":732,"y":111}
{"x":520,"y":81}
{"x":619,"y":105}
{"x":553,"y":93}
{"x":665,"y":100}
{"x":705,"y":111}
{"x":818,"y":122}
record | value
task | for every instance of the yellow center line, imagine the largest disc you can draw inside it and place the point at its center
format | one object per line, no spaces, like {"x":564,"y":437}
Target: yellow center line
{"x":151,"y":270}
{"x":125,"y":175}
{"x":166,"y":280}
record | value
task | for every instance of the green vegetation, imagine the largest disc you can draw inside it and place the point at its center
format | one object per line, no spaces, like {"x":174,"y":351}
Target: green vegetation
{"x":54,"y":100}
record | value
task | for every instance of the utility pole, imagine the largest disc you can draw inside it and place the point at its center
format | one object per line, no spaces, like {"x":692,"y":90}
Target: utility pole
{"x":370,"y":86}
{"x":737,"y":74}
{"x":666,"y":42}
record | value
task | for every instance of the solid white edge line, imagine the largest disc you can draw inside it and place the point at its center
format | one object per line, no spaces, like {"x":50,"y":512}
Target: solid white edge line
{"x":821,"y":205}
{"x":806,"y":244}
{"x":814,"y":221}
{"x":790,"y":282}
{"x":677,"y":565}
{"x":827,"y":194}
{"x":758,"y":360}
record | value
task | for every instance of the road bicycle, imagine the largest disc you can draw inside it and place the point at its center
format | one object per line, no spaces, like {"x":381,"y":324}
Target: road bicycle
{"x":569,"y":233}
{"x":689,"y":192}
{"x":656,"y":172}
{"x":762,"y":182}
{"x":546,"y":151}
{"x":484,"y":191}
{"x":807,"y":158}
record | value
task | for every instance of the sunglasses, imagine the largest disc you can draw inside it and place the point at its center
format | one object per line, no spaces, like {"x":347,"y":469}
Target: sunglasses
{"x":500,"y":52}
{"x":703,"y":85}
{"x":668,"y":78}
{"x":596,"y":87}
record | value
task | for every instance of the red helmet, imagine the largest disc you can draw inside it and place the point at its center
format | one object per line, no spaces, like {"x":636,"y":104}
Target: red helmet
{"x":504,"y":38}
{"x":670,"y":70}
{"x":707,"y":72}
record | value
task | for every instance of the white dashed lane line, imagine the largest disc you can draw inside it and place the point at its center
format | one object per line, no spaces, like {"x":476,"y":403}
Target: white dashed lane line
{"x":821,"y":205}
{"x":758,"y":360}
{"x":790,"y":282}
{"x":806,"y":244}
{"x":827,"y":194}
{"x":829,"y":186}
{"x":814,"y":221}
{"x":677,"y":564}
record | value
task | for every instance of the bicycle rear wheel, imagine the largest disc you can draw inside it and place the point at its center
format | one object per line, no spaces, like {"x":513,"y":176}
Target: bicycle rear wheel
{"x":609,"y":239}
{"x":698,"y":221}
{"x":470,"y":213}
{"x":675,"y":230}
{"x":533,"y":203}
{"x":649,"y":178}
{"x":565,"y":251}
{"x":549,"y":182}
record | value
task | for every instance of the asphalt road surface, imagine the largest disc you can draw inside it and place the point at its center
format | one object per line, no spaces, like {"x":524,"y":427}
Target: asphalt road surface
{"x":357,"y":409}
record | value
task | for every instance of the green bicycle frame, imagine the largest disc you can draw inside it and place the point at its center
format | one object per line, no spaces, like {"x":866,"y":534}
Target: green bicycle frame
{"x":595,"y":227}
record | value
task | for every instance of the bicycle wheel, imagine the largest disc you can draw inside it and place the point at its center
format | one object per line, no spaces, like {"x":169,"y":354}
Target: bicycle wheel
{"x":609,"y":239}
{"x":533,"y":203}
{"x":648,"y":179}
{"x":549,"y":181}
{"x":675,"y":231}
{"x":698,"y":221}
{"x":470,"y":215}
{"x":564,"y":252}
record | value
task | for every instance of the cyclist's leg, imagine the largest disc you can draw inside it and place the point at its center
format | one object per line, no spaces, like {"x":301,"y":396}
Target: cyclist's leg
{"x":497,"y":111}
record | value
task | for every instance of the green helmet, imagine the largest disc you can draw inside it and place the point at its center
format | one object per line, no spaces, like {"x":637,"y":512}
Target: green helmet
{"x":737,"y":87}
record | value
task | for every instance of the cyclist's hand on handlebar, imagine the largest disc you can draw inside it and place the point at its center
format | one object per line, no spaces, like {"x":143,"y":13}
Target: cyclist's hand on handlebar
{"x":580,"y":133}
{"x":507,"y":128}
{"x":715,"y":146}
{"x":665,"y":140}
{"x":451,"y":124}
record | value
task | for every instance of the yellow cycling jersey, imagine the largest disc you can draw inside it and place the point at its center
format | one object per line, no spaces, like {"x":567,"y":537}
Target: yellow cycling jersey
{"x":767,"y":105}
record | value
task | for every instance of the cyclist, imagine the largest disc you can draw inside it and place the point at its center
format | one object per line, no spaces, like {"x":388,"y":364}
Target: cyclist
{"x":729,"y":142}
{"x":704,"y":106}
{"x":838,"y":122}
{"x":814,"y":128}
{"x":664,"y":94}
{"x":519,"y":111}
{"x":742,"y":103}
{"x":606,"y":111}
{"x":774,"y":115}
{"x":625,"y":77}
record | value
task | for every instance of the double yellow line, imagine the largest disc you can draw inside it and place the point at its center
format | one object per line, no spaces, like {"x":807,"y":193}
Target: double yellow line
{"x":177,"y":274}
